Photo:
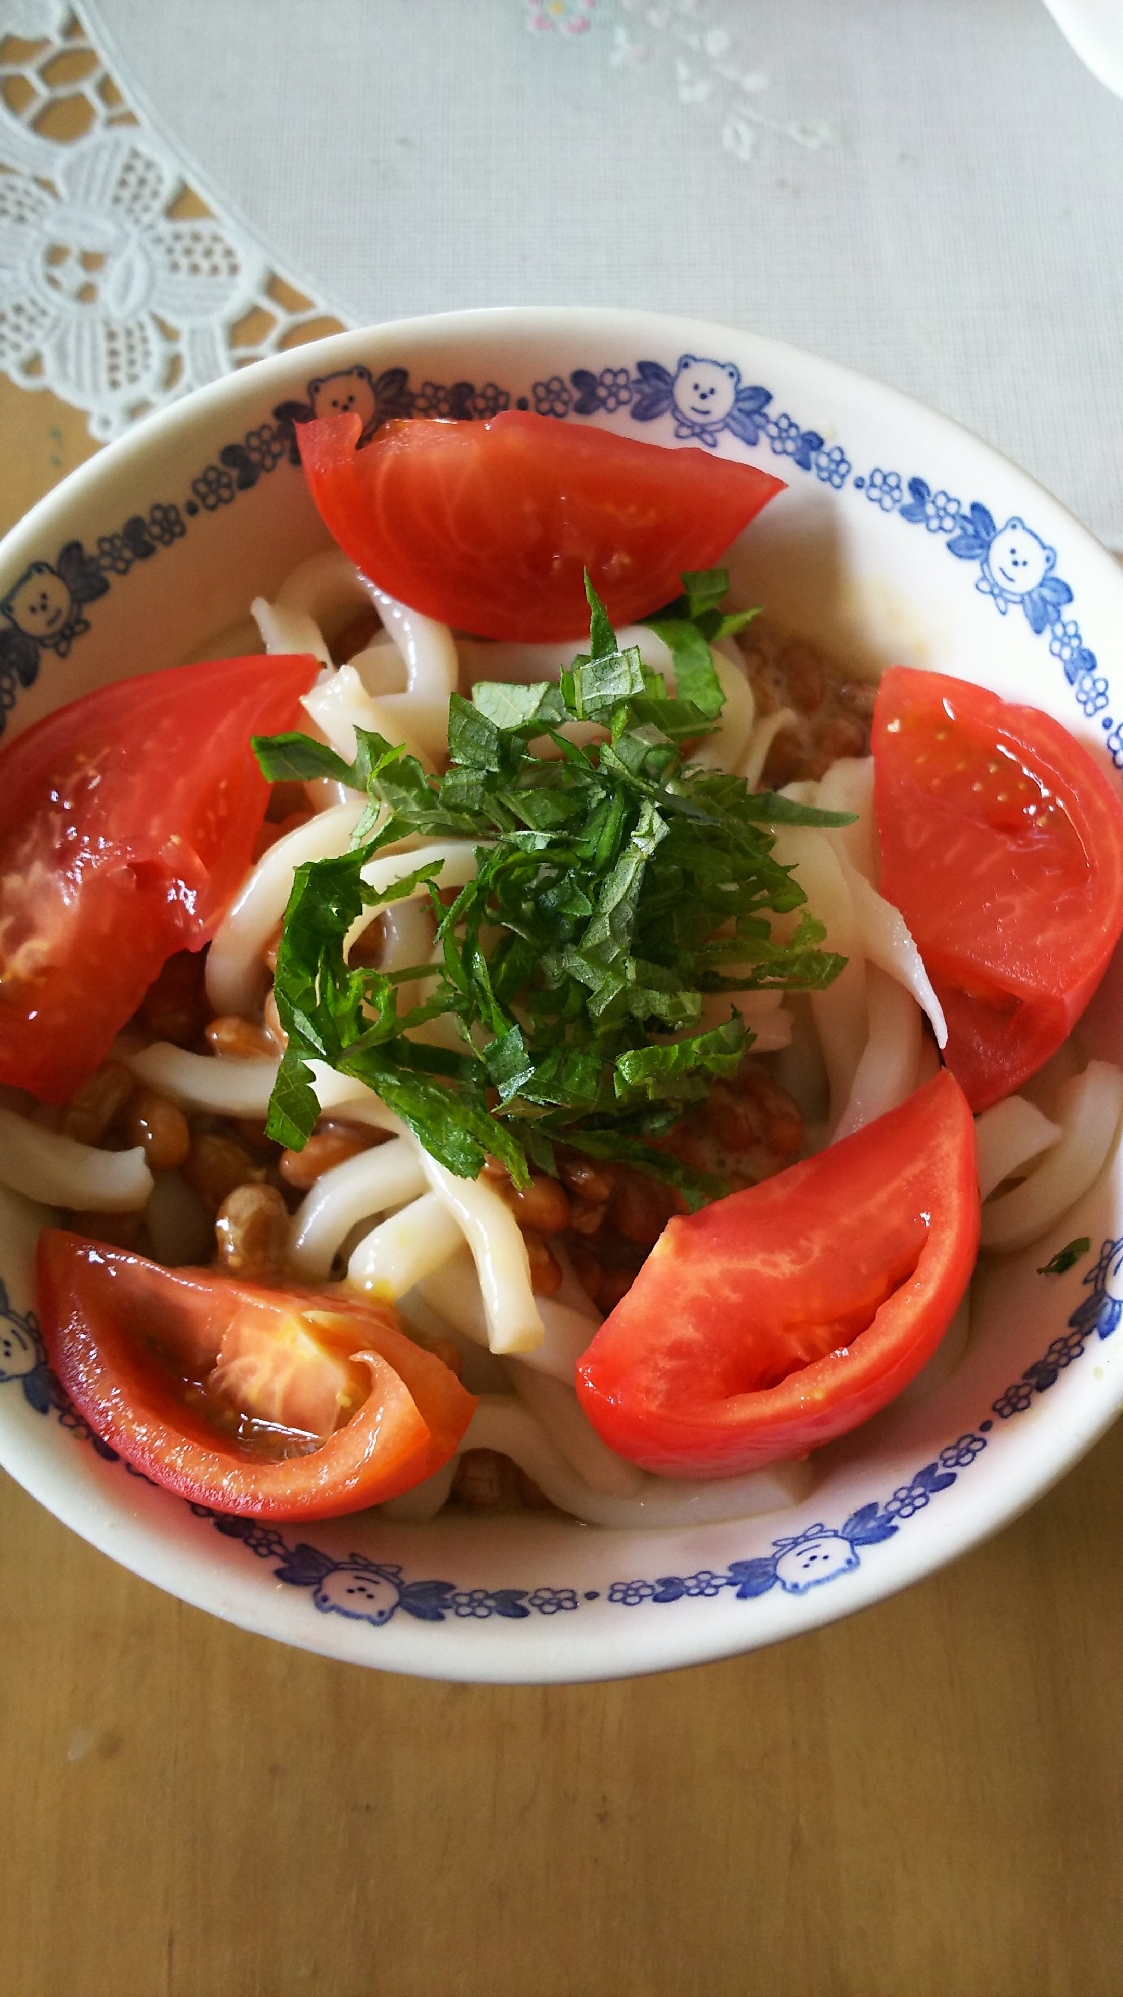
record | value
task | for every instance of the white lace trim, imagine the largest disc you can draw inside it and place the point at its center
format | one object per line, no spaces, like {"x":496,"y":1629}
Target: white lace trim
{"x":120,"y":289}
{"x":123,"y":287}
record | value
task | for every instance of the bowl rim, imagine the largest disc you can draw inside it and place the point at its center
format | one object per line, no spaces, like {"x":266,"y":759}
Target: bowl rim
{"x":588,"y":1652}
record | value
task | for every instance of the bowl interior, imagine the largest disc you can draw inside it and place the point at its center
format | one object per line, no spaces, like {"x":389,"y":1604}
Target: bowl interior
{"x":900,"y":538}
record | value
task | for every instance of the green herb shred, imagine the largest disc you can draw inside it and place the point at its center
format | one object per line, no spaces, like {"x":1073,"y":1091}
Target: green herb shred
{"x":1067,"y":1257}
{"x":613,"y":884}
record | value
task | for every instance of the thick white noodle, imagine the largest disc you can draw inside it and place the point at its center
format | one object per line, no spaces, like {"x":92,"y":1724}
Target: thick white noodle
{"x":571,"y":1293}
{"x":886,"y":1072}
{"x":839,"y":1012}
{"x":504,"y":1423}
{"x":458,"y":858}
{"x":203,"y":1081}
{"x":353,"y":1100}
{"x":427,"y":649}
{"x":423,"y":1501}
{"x":380,"y":666}
{"x":407,"y":928}
{"x":886,"y":939}
{"x":402,"y":1251}
{"x":362,"y":1186}
{"x":315,"y":602}
{"x":569,"y":1332}
{"x":521,"y":665}
{"x":561,"y":1415}
{"x":444,"y":1030}
{"x":327,"y":588}
{"x":848,"y":786}
{"x":353,"y":696}
{"x":235,"y":973}
{"x":873,"y":1047}
{"x":651,"y":647}
{"x":525,"y":665}
{"x":287,"y":630}
{"x":512,"y":1318}
{"x":284,"y":629}
{"x":453,"y":1293}
{"x":760,"y":741}
{"x":514,"y":1323}
{"x":408,"y":931}
{"x":339,"y":703}
{"x":944,"y":1361}
{"x":1089,"y":1107}
{"x":60,"y":1172}
{"x":887,"y":942}
{"x":419,"y":716}
{"x":724,"y":749}
{"x":1008,"y":1136}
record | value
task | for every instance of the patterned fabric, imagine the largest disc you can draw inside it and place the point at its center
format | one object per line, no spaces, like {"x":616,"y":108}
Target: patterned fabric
{"x":854,"y":179}
{"x":119,"y":289}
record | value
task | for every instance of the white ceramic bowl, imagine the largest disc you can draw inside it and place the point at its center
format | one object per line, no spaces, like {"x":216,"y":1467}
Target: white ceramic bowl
{"x":893,"y":543}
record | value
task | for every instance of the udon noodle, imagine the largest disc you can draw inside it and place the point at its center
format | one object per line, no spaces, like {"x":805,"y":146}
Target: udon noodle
{"x":393,"y":1221}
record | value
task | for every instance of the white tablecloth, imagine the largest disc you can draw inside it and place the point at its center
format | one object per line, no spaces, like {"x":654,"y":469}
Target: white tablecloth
{"x":928,"y":190}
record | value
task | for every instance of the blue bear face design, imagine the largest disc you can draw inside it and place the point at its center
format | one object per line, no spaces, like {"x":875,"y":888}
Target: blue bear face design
{"x":1018,"y":560}
{"x":357,"y":1592}
{"x":704,"y":391}
{"x":18,"y":1353}
{"x":814,"y":1560}
{"x":40,"y":604}
{"x":351,"y":391}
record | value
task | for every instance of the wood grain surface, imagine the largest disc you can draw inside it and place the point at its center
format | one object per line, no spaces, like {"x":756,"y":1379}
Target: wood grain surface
{"x":923,"y":1801}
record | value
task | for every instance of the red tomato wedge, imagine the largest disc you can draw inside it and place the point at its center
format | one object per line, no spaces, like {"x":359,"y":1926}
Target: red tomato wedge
{"x":127,"y":821}
{"x":783,"y":1316}
{"x":1002,"y":846}
{"x":282,"y":1404}
{"x":491,"y":526}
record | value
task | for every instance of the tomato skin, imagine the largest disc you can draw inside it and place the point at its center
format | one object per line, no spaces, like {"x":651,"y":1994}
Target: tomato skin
{"x":847,"y":1269}
{"x":490,"y":526}
{"x":100,"y":1306}
{"x":127,"y":821}
{"x":1002,"y":846}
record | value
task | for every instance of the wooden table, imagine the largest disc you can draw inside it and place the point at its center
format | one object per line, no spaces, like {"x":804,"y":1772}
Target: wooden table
{"x":922,"y":1801}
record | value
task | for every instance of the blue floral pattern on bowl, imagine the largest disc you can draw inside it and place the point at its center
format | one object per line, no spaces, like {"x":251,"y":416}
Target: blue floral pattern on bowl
{"x":374,"y":1592}
{"x":700,"y":400}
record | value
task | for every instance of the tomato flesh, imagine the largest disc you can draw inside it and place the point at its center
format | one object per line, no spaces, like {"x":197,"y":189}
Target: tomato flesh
{"x":127,"y":821}
{"x":781,"y":1317}
{"x":491,"y":526}
{"x":1002,"y":846}
{"x":293,"y":1404}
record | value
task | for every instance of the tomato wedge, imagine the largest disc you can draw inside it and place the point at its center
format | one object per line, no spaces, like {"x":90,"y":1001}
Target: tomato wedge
{"x":1002,"y":846}
{"x":281,"y":1404}
{"x":127,"y":821}
{"x":491,"y":526}
{"x":783,"y":1316}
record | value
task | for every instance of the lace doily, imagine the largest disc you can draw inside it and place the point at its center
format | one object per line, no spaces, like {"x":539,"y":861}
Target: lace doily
{"x":121,"y":288}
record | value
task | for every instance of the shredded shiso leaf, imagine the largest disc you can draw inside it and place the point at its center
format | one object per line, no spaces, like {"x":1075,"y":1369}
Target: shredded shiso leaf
{"x":613,"y":883}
